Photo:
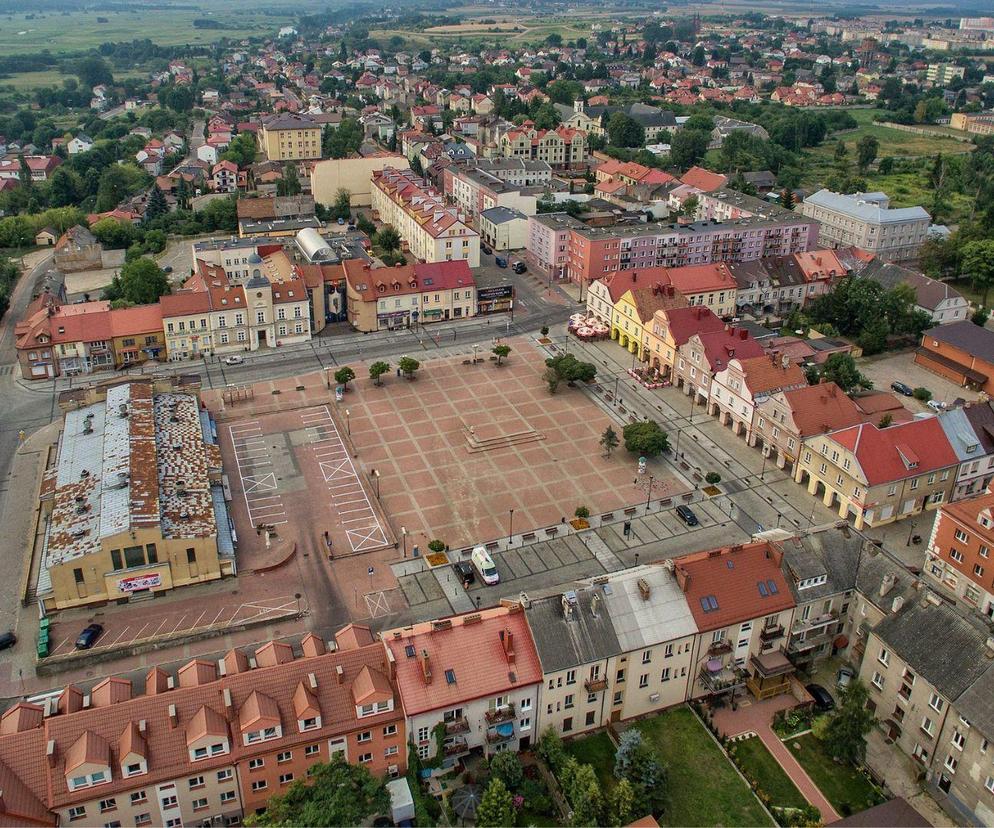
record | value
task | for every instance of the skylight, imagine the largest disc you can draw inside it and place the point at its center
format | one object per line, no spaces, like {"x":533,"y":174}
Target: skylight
{"x":450,"y":676}
{"x":709,"y":603}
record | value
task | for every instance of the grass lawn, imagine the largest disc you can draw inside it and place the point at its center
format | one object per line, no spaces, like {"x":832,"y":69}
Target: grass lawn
{"x":704,"y":788}
{"x":758,"y":763}
{"x":847,"y":789}
{"x":598,"y":751}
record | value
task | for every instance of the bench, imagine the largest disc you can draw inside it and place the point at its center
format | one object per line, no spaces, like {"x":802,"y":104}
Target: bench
{"x":607,"y":516}
{"x":666,"y":501}
{"x":528,"y":536}
{"x":630,"y":511}
{"x":492,"y":546}
{"x":467,"y":362}
{"x":552,"y":530}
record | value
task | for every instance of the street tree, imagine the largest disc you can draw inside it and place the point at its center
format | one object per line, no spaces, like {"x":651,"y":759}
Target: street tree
{"x":141,"y":282}
{"x":845,"y":736}
{"x":645,"y":438}
{"x":343,"y":376}
{"x":342,"y":208}
{"x":334,"y":793}
{"x":377,"y":370}
{"x":501,"y":352}
{"x":552,"y":379}
{"x":496,"y":808}
{"x":571,"y":369}
{"x":408,"y":366}
{"x":609,"y":439}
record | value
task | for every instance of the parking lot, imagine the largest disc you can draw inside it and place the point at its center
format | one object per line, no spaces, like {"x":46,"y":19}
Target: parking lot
{"x":883,"y":369}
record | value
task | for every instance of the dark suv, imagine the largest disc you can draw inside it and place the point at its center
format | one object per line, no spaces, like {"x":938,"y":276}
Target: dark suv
{"x":687,"y":515}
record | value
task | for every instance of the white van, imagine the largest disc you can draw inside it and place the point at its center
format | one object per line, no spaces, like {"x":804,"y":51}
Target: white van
{"x":485,"y":566}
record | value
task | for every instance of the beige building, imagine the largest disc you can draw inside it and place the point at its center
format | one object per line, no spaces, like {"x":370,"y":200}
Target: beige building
{"x":433,"y":231}
{"x":133,"y":503}
{"x":867,"y":221}
{"x":290,"y":137}
{"x":878,"y":475}
{"x":352,"y":174}
{"x":504,"y":228}
{"x":942,"y":74}
{"x":615,"y":648}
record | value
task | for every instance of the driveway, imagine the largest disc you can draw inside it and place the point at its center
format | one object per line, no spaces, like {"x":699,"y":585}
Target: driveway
{"x":884,"y":369}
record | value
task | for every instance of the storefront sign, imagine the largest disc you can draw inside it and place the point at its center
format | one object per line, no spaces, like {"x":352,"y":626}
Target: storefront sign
{"x":137,"y":582}
{"x":491,"y":294}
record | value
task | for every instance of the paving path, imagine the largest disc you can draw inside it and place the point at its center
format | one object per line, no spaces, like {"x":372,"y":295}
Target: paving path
{"x":798,"y":775}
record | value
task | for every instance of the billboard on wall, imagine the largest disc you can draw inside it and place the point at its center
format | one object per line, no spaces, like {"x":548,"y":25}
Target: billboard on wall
{"x":137,"y":582}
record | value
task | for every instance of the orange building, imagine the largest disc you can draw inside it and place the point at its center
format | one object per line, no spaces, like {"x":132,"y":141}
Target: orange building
{"x":959,"y":551}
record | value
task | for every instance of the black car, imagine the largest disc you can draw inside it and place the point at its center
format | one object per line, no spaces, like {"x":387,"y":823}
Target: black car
{"x":519,"y":267}
{"x":901,"y":388}
{"x":823,"y":699}
{"x":485,"y":248}
{"x":687,"y":515}
{"x":7,"y":640}
{"x":464,"y":569}
{"x":89,"y":636}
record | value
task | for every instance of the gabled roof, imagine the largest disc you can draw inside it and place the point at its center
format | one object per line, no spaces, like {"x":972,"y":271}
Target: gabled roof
{"x":88,"y":749}
{"x":733,"y":584}
{"x":901,"y":450}
{"x":973,"y":339}
{"x":371,"y":686}
{"x":764,"y":375}
{"x":818,"y":409}
{"x":726,"y":344}
{"x":206,"y":722}
{"x":695,"y":279}
{"x":704,"y":179}
{"x":258,"y":711}
{"x":684,"y":322}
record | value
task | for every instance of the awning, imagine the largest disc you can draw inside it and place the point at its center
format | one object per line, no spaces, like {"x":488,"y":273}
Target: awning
{"x":841,"y":642}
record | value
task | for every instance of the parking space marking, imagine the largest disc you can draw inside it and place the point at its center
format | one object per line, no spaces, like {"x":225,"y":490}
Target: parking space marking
{"x":251,"y":455}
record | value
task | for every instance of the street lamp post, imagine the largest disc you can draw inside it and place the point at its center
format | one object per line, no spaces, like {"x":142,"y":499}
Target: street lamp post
{"x":348,"y":422}
{"x":648,"y":495}
{"x":762,"y":474}
{"x":403,"y":534}
{"x":510,"y":528}
{"x":911,"y":533}
{"x":376,"y":479}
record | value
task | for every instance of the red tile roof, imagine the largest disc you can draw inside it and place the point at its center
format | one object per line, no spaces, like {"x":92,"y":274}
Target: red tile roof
{"x":683,"y":323}
{"x":898,"y":451}
{"x":727,"y":581}
{"x":764,"y":375}
{"x":728,"y":343}
{"x":704,"y":179}
{"x":702,"y":278}
{"x":471,"y":647}
{"x":821,"y":408}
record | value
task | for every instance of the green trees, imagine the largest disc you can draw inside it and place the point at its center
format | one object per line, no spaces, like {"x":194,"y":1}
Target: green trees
{"x":688,"y":147}
{"x":377,"y":370}
{"x":506,"y":766}
{"x":609,"y":440}
{"x":241,"y":150}
{"x":845,"y":736}
{"x":645,"y":438}
{"x":978,"y":265}
{"x":625,"y":131}
{"x":336,"y":793}
{"x":582,"y":791}
{"x":118,"y":182}
{"x":866,"y":151}
{"x":408,"y":366}
{"x":343,"y":140}
{"x":496,"y":808}
{"x":156,"y":205}
{"x":387,"y":239}
{"x":841,"y":369}
{"x":344,"y":375}
{"x":114,"y":234}
{"x":141,"y":282}
{"x":550,"y":376}
{"x":567,"y":367}
{"x":342,"y":208}
{"x":501,"y":352}
{"x":637,"y":763}
{"x":93,"y":71}
{"x":289,"y":184}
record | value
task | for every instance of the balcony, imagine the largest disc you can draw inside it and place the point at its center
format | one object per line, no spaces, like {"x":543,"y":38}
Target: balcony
{"x":592,"y":685}
{"x":460,"y":725}
{"x":720,"y":648}
{"x":811,"y":640}
{"x":501,"y":733}
{"x":455,"y":747}
{"x":771,"y":633}
{"x":500,"y":714}
{"x":722,"y":679}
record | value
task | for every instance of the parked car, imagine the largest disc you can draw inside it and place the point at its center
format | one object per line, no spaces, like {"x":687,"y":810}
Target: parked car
{"x":901,"y":388}
{"x":519,"y":267}
{"x":234,"y":359}
{"x":823,"y":699}
{"x":486,"y":248}
{"x":936,"y":405}
{"x":7,"y":640}
{"x":341,"y":222}
{"x":464,"y":569}
{"x":485,"y":566}
{"x":167,"y":269}
{"x":500,"y":261}
{"x":89,"y":636}
{"x":686,"y":514}
{"x":844,"y":677}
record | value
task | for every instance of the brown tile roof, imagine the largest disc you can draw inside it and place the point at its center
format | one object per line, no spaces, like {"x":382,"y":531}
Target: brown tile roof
{"x":22,"y":716}
{"x":89,"y":748}
{"x":353,"y":636}
{"x":820,"y":408}
{"x":370,"y":686}
{"x":132,"y":743}
{"x":206,"y":722}
{"x":764,"y":375}
{"x":259,"y":711}
{"x":110,"y":691}
{"x":273,"y":653}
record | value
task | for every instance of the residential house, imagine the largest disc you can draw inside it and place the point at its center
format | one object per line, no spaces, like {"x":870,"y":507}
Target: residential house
{"x":745,"y":383}
{"x":942,"y":303}
{"x":671,"y":328}
{"x":469,"y":681}
{"x":634,"y":311}
{"x":970,"y":432}
{"x":959,"y":547}
{"x":705,"y":354}
{"x":290,"y":137}
{"x":878,"y":475}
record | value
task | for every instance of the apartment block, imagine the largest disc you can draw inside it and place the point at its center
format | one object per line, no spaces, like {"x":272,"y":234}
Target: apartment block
{"x":942,"y":74}
{"x":866,"y":221}
{"x":562,"y":147}
{"x":433,"y":231}
{"x":507,"y":182}
{"x":959,"y":552}
{"x":207,"y":746}
{"x":290,"y":137}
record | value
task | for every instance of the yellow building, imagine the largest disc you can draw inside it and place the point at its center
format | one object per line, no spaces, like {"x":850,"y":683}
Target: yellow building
{"x":289,"y":137}
{"x":134,"y":503}
{"x":631,"y":318}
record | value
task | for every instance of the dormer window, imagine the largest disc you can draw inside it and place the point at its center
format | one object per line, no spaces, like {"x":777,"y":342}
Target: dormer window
{"x":374,"y":708}
{"x":216,"y":749}
{"x":88,"y":780}
{"x":135,"y":769}
{"x":312,"y":723}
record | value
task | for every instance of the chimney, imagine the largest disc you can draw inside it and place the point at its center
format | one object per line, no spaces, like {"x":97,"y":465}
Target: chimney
{"x":228,"y":703}
{"x":173,"y":718}
{"x":897,"y":603}
{"x":312,"y":680}
{"x":682,"y":578}
{"x":50,"y":754}
{"x":340,"y":673}
{"x":507,"y":639}
{"x":142,"y":726}
{"x":426,"y":666}
{"x":392,"y":663}
{"x":887,"y":584}
{"x":222,"y":668}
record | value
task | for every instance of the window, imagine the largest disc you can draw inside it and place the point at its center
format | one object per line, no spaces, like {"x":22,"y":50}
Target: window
{"x":951,"y":763}
{"x":224,"y":775}
{"x":936,"y":703}
{"x":390,"y":730}
{"x":646,"y":656}
{"x":312,"y":723}
{"x":668,"y":651}
{"x":200,"y":804}
{"x":644,"y":680}
{"x":391,"y":751}
{"x":138,"y":797}
{"x":259,"y":785}
{"x":135,"y":769}
{"x":567,"y":724}
{"x":571,"y":676}
{"x":108,"y":805}
{"x":665,"y":675}
{"x":568,"y":701}
{"x":883,"y":657}
{"x":961,"y":536}
{"x":620,"y":678}
{"x":958,"y":740}
{"x":196,"y":782}
{"x":365,"y":736}
{"x":78,"y":812}
{"x":143,"y":819}
{"x":227,"y":796}
{"x":312,"y":750}
{"x":365,"y":758}
{"x":989,"y":784}
{"x":285,"y":756}
{"x":877,"y":680}
{"x":255,"y":764}
{"x":526,"y":704}
{"x":286,"y":778}
{"x":927,"y":725}
{"x":525,"y":723}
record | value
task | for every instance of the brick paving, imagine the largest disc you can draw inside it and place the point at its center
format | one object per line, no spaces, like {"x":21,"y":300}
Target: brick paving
{"x":756,"y":717}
